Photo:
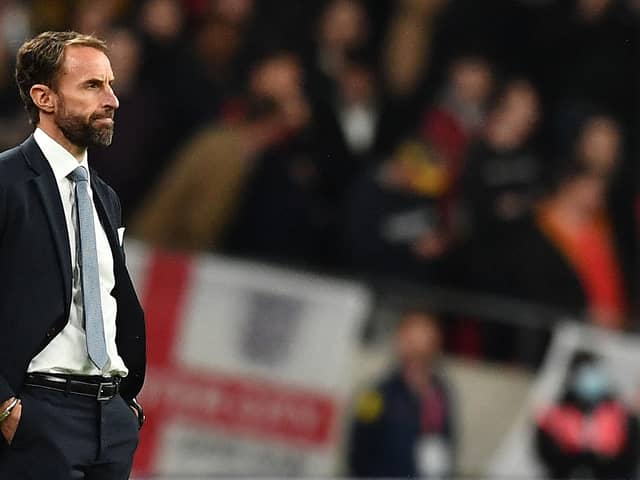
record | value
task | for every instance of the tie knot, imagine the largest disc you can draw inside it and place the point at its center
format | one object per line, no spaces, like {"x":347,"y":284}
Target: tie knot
{"x":79,"y":175}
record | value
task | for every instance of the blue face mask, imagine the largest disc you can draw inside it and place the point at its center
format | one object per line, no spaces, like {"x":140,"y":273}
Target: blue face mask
{"x":591,"y":383}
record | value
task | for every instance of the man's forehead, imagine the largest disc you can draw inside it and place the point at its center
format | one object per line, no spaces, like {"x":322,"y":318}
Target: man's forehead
{"x":84,"y":60}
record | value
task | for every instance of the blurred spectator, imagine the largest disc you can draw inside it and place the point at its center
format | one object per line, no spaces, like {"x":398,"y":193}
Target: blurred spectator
{"x":456,"y":118}
{"x":96,"y":17}
{"x":502,"y":169}
{"x":343,"y":27}
{"x":357,"y":112}
{"x":404,"y":427}
{"x":135,"y":158}
{"x":161,"y":26}
{"x":14,"y":29}
{"x":460,"y":109}
{"x":288,"y":211}
{"x":162,"y":20}
{"x":599,"y":144}
{"x":47,"y":15}
{"x":395,"y":223}
{"x":83,"y":16}
{"x":192,"y":206}
{"x":15,"y":24}
{"x":589,"y":432}
{"x":407,"y":52}
{"x":348,"y":125}
{"x":14,"y":126}
{"x":567,"y":254}
{"x":214,"y":61}
{"x":598,"y":139}
{"x":406,"y":75}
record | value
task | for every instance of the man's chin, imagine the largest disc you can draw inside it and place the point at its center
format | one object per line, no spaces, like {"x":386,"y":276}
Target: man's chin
{"x":103,"y":137}
{"x":103,"y":142}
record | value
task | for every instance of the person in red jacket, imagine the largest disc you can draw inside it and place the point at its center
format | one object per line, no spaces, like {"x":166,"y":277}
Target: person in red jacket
{"x":589,"y":432}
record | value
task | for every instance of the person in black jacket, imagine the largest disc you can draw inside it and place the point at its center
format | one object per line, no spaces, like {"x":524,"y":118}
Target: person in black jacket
{"x":72,"y":349}
{"x":567,"y":255}
{"x":502,"y":171}
{"x":404,"y":427}
{"x":396,"y":224}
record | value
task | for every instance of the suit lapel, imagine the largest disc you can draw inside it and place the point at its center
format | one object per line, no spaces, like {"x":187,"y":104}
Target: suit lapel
{"x":108,"y":223}
{"x":47,"y":189}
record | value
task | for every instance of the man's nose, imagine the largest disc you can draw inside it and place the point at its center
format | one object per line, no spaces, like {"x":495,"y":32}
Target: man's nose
{"x":111,"y":100}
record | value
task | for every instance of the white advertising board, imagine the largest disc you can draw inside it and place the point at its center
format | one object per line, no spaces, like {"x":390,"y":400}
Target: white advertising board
{"x":247,"y":366}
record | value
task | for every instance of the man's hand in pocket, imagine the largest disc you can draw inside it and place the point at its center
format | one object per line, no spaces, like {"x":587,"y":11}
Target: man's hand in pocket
{"x":9,"y":425}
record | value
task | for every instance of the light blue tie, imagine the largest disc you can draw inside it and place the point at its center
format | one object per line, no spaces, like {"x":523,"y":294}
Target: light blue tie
{"x":89,"y":273}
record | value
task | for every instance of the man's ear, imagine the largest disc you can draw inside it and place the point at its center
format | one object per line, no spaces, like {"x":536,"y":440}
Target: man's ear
{"x":43,"y":97}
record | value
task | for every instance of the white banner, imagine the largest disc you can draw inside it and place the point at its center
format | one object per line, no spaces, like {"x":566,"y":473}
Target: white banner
{"x":248,"y":366}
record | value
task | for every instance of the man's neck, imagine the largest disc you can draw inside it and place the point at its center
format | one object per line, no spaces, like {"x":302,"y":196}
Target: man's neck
{"x":56,"y":134}
{"x":416,"y":376}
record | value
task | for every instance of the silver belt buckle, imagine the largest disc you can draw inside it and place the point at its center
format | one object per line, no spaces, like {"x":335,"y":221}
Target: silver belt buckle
{"x":101,"y":397}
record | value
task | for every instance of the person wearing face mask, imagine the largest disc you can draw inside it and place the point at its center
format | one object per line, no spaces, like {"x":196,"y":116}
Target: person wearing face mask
{"x":589,"y":432}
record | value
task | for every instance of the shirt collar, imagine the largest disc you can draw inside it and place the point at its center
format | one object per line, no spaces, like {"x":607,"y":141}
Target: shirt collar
{"x":61,"y":161}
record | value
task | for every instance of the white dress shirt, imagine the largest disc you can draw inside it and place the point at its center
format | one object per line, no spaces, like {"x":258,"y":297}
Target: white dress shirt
{"x":67,"y":352}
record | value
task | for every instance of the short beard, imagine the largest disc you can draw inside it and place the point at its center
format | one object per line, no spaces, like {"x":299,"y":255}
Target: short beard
{"x":82,"y":133}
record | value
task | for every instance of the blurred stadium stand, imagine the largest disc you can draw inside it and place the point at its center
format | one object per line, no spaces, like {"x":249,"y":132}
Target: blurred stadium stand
{"x":297,"y":175}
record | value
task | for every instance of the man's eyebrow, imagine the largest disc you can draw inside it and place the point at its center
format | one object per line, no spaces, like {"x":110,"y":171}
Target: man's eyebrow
{"x":96,"y":80}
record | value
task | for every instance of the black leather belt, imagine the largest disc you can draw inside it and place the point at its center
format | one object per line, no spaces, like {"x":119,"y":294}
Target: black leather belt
{"x":100,"y":388}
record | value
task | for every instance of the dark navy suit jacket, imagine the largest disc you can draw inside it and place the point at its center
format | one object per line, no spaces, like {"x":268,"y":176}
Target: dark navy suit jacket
{"x":35,"y":269}
{"x":384,"y":445}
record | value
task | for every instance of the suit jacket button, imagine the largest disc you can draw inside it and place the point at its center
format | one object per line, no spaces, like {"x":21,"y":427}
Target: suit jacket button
{"x":51,"y":333}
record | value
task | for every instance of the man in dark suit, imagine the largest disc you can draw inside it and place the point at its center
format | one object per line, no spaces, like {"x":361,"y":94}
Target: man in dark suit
{"x":72,"y":347}
{"x":404,"y":427}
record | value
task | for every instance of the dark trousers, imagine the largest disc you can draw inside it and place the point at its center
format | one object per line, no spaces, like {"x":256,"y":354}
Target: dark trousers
{"x":67,"y":437}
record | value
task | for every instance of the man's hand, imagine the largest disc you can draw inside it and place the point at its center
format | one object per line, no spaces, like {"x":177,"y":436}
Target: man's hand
{"x":137,"y":410}
{"x":9,"y":425}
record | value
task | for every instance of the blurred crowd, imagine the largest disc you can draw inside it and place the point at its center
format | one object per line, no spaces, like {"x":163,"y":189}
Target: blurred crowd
{"x":483,"y":145}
